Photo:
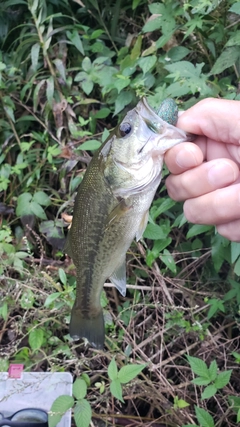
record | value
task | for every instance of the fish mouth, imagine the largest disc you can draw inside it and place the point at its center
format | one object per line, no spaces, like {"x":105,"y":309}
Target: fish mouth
{"x":169,"y":135}
{"x":150,"y":117}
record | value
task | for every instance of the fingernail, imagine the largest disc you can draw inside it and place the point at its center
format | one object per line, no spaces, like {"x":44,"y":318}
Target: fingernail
{"x":222,"y":173}
{"x":187,"y":158}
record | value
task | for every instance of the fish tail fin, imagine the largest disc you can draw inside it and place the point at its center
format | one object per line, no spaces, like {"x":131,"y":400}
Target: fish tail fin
{"x":83,"y":327}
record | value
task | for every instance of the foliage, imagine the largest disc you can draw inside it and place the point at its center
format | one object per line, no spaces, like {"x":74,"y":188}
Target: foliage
{"x":69,"y":70}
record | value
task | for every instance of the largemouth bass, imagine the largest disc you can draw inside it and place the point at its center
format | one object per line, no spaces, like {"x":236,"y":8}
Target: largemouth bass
{"x":111,"y":208}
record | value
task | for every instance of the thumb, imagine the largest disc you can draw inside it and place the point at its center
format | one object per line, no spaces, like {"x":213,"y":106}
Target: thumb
{"x":218,"y":119}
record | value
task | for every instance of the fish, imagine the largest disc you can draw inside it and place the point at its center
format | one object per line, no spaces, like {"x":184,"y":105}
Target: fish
{"x":112,"y":207}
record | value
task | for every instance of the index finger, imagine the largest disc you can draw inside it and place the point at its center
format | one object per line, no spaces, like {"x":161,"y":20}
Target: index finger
{"x":218,"y":119}
{"x":183,"y":157}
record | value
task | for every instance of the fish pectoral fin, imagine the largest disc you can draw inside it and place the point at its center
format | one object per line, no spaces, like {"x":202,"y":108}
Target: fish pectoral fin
{"x":142,"y":226}
{"x":117,"y":212}
{"x":118,"y":278}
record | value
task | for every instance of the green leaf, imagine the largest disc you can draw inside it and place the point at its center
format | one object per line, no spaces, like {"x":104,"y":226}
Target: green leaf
{"x":86,"y":378}
{"x":209,"y":391}
{"x":152,"y":24}
{"x":4,"y":365}
{"x":36,"y":94}
{"x":197,"y":229}
{"x":76,"y":40}
{"x":216,"y":305}
{"x":35,"y":55}
{"x":123,"y":99}
{"x":50,"y":90}
{"x":116,"y":389}
{"x":154,"y":232}
{"x":182,"y":404}
{"x":234,"y":402}
{"x":62,"y":276}
{"x":213,"y":370}
{"x":41,"y":198}
{"x":168,"y":260}
{"x":112,"y":370}
{"x":227,"y":58}
{"x":37,"y":210}
{"x":79,"y":388}
{"x":201,"y":381}
{"x":163,"y":207}
{"x":60,"y":405}
{"x":147,"y":62}
{"x":235,"y":8}
{"x":128,"y":372}
{"x":223,"y":379}
{"x":234,"y":40}
{"x":177,"y":53}
{"x":198,"y":366}
{"x":23,"y":205}
{"x":51,"y":298}
{"x":102,"y":113}
{"x":86,"y":64}
{"x":91,"y":145}
{"x":203,"y":417}
{"x":27,"y":299}
{"x":82,"y":413}
{"x":157,"y":8}
{"x":185,"y":69}
{"x":135,"y":3}
{"x":238,"y":416}
{"x":237,"y":267}
{"x":4,"y":310}
{"x":36,"y":338}
{"x":235,"y":251}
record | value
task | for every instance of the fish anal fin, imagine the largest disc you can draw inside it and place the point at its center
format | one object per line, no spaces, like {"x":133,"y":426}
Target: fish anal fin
{"x":92,"y":328}
{"x":142,"y":226}
{"x":118,"y":278}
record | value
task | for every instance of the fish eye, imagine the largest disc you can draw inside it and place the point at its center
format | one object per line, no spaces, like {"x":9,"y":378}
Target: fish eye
{"x":124,"y":129}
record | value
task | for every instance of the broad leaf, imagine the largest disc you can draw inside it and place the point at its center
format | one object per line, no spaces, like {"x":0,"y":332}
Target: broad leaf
{"x":128,"y":372}
{"x":92,"y":144}
{"x":208,"y":392}
{"x":227,"y":58}
{"x":112,"y":370}
{"x":223,"y":379}
{"x":82,"y":413}
{"x":60,"y":405}
{"x":116,"y":389}
{"x":204,"y":418}
{"x":154,"y":232}
{"x":198,"y":366}
{"x":79,"y":388}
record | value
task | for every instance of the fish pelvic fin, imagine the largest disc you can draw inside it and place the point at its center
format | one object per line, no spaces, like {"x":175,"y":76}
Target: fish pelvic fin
{"x":81,"y":326}
{"x":118,"y":278}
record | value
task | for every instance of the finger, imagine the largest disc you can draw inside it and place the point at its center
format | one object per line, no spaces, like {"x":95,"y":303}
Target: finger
{"x":202,"y":179}
{"x":230,"y":230}
{"x":182,"y":157}
{"x":219,"y":207}
{"x":218,"y":119}
{"x":219,"y":150}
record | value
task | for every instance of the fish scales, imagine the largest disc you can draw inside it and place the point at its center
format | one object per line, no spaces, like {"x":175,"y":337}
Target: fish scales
{"x":111,"y":209}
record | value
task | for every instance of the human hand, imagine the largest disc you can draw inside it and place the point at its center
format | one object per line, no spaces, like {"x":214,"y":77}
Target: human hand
{"x":206,"y":173}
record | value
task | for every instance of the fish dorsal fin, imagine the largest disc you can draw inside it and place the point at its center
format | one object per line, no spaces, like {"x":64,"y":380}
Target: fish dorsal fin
{"x":142,"y":226}
{"x":118,"y":278}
